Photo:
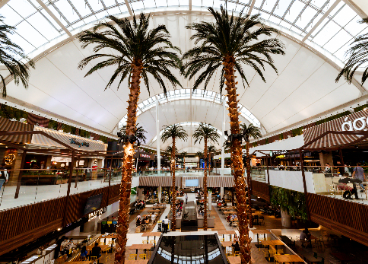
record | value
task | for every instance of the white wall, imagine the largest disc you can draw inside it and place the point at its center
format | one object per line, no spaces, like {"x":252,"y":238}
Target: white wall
{"x":292,"y":180}
{"x":285,"y":144}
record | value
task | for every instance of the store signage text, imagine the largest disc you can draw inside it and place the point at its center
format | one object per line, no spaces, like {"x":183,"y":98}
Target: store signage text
{"x":357,"y":125}
{"x":96,"y":213}
{"x":80,"y":144}
{"x":145,"y":156}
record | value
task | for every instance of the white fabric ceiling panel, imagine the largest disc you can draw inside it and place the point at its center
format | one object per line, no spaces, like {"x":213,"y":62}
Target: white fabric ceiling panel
{"x":57,"y":86}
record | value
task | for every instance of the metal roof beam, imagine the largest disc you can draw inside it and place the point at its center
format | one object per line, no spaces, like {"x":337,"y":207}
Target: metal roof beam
{"x":190,"y":5}
{"x":54,"y":18}
{"x":321,"y":20}
{"x":128,"y":6}
{"x":251,"y":7}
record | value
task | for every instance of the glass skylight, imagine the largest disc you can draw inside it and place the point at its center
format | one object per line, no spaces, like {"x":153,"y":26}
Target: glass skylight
{"x":37,"y":30}
{"x":183,"y":94}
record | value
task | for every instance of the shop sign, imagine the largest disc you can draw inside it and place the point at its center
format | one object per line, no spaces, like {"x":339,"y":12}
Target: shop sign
{"x":61,"y":159}
{"x":145,"y":156}
{"x":94,"y":214}
{"x":357,"y":125}
{"x":80,"y":144}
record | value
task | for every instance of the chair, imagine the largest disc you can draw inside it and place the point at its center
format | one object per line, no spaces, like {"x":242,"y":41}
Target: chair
{"x":281,"y":251}
{"x":236,"y":253}
{"x":132,"y":256}
{"x":142,"y":256}
{"x":261,"y":220}
{"x":144,"y":241}
{"x":152,"y":241}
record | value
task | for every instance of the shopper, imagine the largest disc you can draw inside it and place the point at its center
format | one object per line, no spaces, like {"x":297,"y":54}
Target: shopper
{"x":165,"y":224}
{"x":84,"y":253}
{"x":358,"y":173}
{"x":3,"y":176}
{"x":186,"y":198}
{"x":96,"y":252}
{"x":236,"y":246}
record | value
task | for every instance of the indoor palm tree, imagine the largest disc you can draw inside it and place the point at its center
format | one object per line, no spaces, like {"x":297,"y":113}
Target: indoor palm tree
{"x":174,"y":132}
{"x":184,"y":154}
{"x":248,"y":132}
{"x":227,"y":45}
{"x":135,"y":51}
{"x":205,"y":132}
{"x":357,"y":58}
{"x":13,"y":58}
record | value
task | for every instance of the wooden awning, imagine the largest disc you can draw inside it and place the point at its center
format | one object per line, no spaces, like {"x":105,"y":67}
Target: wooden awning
{"x":73,"y":141}
{"x":343,"y":131}
{"x":7,"y":125}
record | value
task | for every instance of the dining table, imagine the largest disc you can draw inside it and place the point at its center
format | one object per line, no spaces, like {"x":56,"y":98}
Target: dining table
{"x":137,"y":247}
{"x":274,"y":243}
{"x":226,"y":232}
{"x":154,"y":234}
{"x":237,"y":260}
{"x":288,"y":259}
{"x":227,"y":243}
{"x":260,"y":231}
{"x":136,"y":261}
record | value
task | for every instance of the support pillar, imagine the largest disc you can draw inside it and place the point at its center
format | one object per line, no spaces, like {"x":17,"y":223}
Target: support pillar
{"x":223,"y":139}
{"x":304,"y":182}
{"x":222,"y":190}
{"x":158,"y":137}
{"x":20,"y":174}
{"x":68,"y":191}
{"x":159,"y":192}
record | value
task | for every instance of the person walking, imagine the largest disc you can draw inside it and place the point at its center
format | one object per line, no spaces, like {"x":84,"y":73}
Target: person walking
{"x":165,"y":224}
{"x":186,"y":198}
{"x":358,"y":173}
{"x":3,"y":176}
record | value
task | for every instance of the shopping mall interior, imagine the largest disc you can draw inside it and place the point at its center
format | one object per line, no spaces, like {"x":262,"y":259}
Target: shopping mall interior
{"x":182,"y":131}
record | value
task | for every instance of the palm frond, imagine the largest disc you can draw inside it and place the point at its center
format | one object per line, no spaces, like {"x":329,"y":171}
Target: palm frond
{"x":132,"y":41}
{"x":13,"y":58}
{"x":174,"y":131}
{"x":236,"y":36}
{"x":205,"y":131}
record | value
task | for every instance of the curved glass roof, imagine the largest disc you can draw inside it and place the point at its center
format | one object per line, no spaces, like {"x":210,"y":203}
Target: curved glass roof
{"x":187,"y":94}
{"x":329,"y":25}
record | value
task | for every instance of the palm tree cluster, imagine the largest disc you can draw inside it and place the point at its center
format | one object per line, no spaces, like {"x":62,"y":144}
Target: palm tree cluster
{"x":174,"y":132}
{"x":138,"y":51}
{"x":205,"y":132}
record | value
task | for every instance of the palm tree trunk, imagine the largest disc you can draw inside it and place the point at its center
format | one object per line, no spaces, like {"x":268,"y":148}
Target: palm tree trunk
{"x":126,"y":179}
{"x":249,"y":182}
{"x":173,"y":202}
{"x":237,"y":161}
{"x":205,"y":185}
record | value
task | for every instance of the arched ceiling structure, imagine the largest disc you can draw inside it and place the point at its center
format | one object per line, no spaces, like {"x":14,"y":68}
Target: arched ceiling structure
{"x":316,"y":35}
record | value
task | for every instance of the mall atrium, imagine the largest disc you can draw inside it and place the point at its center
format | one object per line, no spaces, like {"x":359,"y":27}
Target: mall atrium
{"x":183,"y":131}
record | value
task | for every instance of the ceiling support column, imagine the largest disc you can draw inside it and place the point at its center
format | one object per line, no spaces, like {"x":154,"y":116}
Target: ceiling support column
{"x":158,"y":137}
{"x":223,"y":138}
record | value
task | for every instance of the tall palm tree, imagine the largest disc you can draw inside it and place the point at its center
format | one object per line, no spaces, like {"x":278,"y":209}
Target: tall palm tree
{"x":248,"y":132}
{"x":227,"y":45}
{"x":184,"y":154}
{"x":169,"y":150}
{"x":211,"y":150}
{"x":199,"y":155}
{"x":137,"y":53}
{"x":13,"y":58}
{"x":357,"y":58}
{"x":205,"y":132}
{"x":174,"y":132}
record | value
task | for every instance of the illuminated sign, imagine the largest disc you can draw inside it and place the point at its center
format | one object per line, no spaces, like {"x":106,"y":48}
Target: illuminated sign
{"x":96,"y":213}
{"x":145,"y":156}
